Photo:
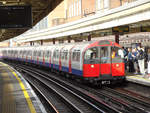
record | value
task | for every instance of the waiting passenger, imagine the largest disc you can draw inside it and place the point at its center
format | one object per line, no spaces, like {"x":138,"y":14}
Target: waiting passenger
{"x":130,"y":61}
{"x":125,"y":53}
{"x":148,"y":62}
{"x":113,"y":54}
{"x":135,"y":61}
{"x":141,"y":57}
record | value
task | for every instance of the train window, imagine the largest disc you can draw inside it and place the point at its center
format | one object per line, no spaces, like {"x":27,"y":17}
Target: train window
{"x":46,"y":54}
{"x":104,"y":55}
{"x":54,"y":54}
{"x":117,"y":52}
{"x":57,"y":54}
{"x":66,"y":55}
{"x":50,"y":53}
{"x":42,"y":53}
{"x":30,"y":53}
{"x":39,"y":53}
{"x":62,"y":55}
{"x":21,"y":52}
{"x":24,"y":52}
{"x":76,"y":55}
{"x":91,"y":53}
{"x":34,"y":53}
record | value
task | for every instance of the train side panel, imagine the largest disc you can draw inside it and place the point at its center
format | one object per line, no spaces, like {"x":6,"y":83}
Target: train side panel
{"x":77,"y":59}
{"x":65,"y":58}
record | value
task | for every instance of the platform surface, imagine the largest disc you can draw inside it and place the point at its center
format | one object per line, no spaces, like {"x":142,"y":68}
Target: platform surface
{"x":140,"y":79}
{"x":16,"y":95}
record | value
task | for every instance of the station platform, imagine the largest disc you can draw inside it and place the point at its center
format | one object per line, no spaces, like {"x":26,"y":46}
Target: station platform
{"x":139,"y":79}
{"x":16,"y":95}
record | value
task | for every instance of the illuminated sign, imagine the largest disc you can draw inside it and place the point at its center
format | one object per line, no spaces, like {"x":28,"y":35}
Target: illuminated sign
{"x":15,"y":16}
{"x":120,"y":29}
{"x":145,"y":29}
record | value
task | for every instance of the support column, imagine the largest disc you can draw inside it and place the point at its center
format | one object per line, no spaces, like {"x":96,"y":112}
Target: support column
{"x":69,"y":40}
{"x":117,"y":38}
{"x":89,"y":37}
{"x":53,"y":40}
{"x":41,"y":42}
{"x":31,"y":43}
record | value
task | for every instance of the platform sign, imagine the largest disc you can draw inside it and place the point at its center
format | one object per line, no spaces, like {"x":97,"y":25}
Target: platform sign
{"x":15,"y":16}
{"x":145,"y":29}
{"x":120,"y":29}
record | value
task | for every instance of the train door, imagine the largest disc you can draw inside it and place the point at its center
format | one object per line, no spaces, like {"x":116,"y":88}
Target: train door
{"x":91,"y":62}
{"x":105,"y":62}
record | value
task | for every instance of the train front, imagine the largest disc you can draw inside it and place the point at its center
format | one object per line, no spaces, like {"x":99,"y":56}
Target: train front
{"x":103,"y":63}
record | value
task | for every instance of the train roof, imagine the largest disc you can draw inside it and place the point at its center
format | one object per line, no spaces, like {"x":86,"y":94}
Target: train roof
{"x":78,"y":44}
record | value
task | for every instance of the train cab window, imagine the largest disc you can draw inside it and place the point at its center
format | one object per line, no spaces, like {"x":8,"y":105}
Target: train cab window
{"x":91,"y":54}
{"x":104,"y":53}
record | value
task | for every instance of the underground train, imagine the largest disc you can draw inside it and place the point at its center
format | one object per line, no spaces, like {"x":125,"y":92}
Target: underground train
{"x":97,"y":62}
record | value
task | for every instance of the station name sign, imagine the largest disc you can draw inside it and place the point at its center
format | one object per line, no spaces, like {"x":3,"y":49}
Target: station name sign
{"x":18,"y":16}
{"x":120,"y":29}
{"x":145,"y":29}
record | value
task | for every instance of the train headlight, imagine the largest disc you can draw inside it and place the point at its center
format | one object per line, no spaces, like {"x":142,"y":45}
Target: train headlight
{"x":117,"y":65}
{"x":92,"y":66}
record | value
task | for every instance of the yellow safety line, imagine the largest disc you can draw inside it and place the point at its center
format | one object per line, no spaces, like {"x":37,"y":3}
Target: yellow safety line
{"x":138,"y":78}
{"x":26,"y":95}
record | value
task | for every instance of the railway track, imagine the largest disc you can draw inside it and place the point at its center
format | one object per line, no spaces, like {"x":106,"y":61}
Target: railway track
{"x":110,"y":97}
{"x":77,"y":101}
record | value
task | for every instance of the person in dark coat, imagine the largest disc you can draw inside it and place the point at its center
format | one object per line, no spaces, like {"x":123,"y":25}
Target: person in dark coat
{"x":135,"y":61}
{"x":148,"y":63}
{"x":130,"y":61}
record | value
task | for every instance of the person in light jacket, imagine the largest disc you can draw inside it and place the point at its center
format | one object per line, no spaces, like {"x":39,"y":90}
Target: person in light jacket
{"x":141,"y":61}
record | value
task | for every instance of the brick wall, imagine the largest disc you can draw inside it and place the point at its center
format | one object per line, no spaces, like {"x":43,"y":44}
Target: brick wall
{"x":56,"y":14}
{"x":114,"y":3}
{"x":88,"y":7}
